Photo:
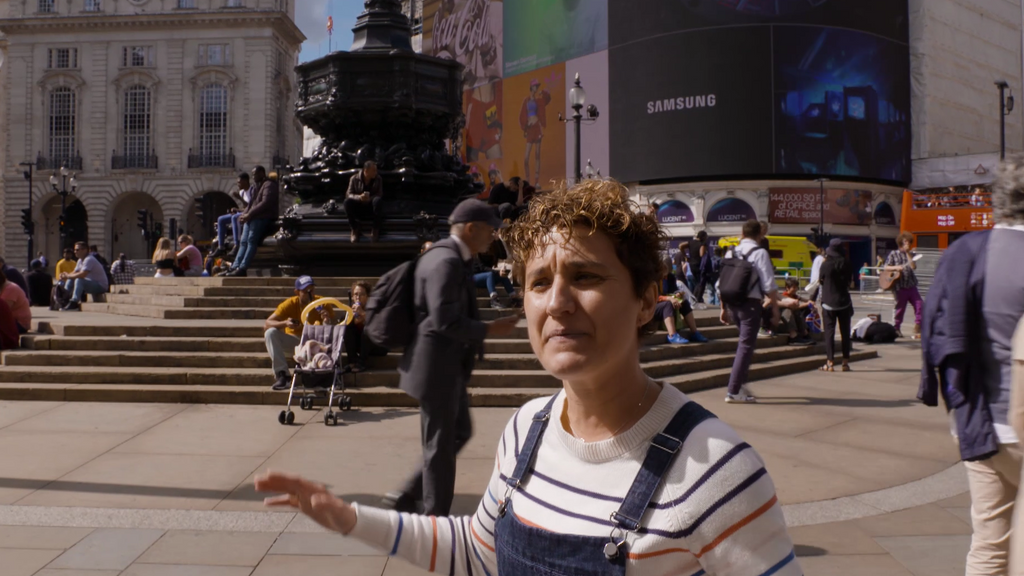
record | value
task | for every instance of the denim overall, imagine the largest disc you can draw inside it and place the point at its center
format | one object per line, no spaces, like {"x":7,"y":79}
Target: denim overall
{"x":523,"y":549}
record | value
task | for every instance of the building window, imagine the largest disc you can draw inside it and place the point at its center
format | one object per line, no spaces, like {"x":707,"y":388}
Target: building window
{"x":136,"y":56}
{"x":137,"y":123}
{"x":62,"y":58}
{"x":186,"y":3}
{"x":47,"y":6}
{"x":213,"y":121}
{"x":62,"y":125}
{"x":215,"y":55}
{"x":92,"y":6}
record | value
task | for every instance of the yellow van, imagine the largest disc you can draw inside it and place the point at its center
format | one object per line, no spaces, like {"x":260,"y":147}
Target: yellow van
{"x":791,"y":255}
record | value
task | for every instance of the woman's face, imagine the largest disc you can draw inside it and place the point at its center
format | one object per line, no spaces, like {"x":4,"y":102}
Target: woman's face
{"x":359,"y":295}
{"x":581,"y":310}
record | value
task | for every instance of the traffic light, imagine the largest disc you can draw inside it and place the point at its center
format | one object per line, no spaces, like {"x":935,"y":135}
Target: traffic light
{"x":63,"y":226}
{"x":144,"y":222}
{"x":26,"y":221}
{"x":158,"y":229}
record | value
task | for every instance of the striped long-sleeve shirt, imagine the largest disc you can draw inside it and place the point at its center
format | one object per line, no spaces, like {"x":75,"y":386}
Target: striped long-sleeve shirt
{"x":715,"y":513}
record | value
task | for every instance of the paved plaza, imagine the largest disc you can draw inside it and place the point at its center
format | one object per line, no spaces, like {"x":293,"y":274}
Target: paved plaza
{"x":868,"y":477}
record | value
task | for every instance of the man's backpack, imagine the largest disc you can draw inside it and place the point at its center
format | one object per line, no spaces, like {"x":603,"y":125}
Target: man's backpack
{"x":391,"y":309}
{"x":737,"y":278}
{"x":59,"y":297}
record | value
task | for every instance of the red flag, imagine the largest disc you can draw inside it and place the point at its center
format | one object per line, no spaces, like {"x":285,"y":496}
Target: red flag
{"x":330,"y":24}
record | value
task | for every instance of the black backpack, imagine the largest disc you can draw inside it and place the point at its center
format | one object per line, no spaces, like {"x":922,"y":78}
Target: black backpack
{"x":737,"y":278}
{"x":391,"y":310}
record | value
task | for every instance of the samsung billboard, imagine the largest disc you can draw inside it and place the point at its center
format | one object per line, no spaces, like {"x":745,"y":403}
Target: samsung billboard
{"x":789,"y":88}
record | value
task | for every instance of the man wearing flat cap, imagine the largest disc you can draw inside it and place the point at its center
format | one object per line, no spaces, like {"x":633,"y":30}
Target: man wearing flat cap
{"x":436,"y":366}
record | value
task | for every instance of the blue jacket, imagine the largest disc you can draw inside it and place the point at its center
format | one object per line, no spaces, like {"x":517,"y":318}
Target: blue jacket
{"x":951,"y":342}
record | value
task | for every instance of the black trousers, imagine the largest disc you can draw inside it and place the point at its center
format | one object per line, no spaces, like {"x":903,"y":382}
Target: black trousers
{"x":829,"y":318}
{"x":359,"y":347}
{"x":445,"y":428}
{"x":359,"y":211}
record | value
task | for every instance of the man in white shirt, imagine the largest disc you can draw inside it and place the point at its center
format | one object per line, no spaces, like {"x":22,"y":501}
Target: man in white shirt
{"x":747,"y":316}
{"x":89,"y":277}
{"x":815,"y":281}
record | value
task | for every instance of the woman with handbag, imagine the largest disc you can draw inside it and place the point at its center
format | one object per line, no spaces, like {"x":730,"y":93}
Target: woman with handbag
{"x":904,"y":284}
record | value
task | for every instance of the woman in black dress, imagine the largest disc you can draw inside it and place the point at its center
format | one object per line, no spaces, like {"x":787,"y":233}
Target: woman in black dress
{"x":836,"y":304}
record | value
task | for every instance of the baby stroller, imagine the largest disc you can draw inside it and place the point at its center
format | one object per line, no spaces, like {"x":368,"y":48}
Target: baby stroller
{"x":326,"y":382}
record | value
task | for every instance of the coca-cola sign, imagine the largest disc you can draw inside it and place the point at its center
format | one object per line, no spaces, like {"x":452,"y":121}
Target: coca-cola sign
{"x":469,"y":32}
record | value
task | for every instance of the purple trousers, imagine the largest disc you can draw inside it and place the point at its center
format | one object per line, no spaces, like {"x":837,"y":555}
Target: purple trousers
{"x":747,"y":318}
{"x":903,"y":296}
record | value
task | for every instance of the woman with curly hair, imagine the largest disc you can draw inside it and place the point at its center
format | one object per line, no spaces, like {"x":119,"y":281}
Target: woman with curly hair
{"x":614,"y":474}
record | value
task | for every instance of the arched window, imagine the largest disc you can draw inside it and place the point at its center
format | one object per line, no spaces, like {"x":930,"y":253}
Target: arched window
{"x":137,"y":127}
{"x":62,"y":125}
{"x":213,"y":123}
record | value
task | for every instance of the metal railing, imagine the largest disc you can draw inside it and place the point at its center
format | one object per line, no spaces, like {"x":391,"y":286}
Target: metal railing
{"x":211,"y":160}
{"x":55,"y":163}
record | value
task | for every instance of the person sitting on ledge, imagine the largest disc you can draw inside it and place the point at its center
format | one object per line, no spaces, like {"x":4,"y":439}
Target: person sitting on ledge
{"x":189,"y":257}
{"x":89,"y":277}
{"x":258,"y":221}
{"x":365,"y":201}
{"x":665,"y":312}
{"x":284,"y":327}
{"x":616,"y":473}
{"x":508,"y":197}
{"x":40,"y":284}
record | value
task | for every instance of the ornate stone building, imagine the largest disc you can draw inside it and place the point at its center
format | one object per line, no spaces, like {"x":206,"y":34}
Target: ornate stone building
{"x":151,"y":104}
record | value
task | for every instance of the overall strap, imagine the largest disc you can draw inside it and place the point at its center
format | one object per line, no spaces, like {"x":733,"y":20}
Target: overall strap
{"x":540,"y":422}
{"x":660,"y":455}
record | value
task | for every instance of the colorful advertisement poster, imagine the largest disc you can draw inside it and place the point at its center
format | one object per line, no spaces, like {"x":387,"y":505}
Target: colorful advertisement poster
{"x":730,"y":211}
{"x":482,"y":148}
{"x":533,"y":140}
{"x":674,"y":212}
{"x":803,"y":206}
{"x":469,"y":32}
{"x":551,"y":31}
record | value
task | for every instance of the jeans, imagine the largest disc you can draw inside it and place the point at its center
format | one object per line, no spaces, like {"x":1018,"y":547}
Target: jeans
{"x":280,"y":345}
{"x":357,"y":211}
{"x":828,"y":319}
{"x":83,"y":286}
{"x":252,"y":236}
{"x":904,"y":296}
{"x":222,"y":224}
{"x":994,"y":483}
{"x":747,"y":318}
{"x":490,"y":280}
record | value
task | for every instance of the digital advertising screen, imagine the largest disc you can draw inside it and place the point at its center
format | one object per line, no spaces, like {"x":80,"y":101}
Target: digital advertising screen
{"x":724,"y":88}
{"x":546,"y":32}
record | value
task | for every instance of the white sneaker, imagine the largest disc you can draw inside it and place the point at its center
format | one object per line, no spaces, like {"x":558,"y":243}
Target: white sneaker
{"x":743,"y":397}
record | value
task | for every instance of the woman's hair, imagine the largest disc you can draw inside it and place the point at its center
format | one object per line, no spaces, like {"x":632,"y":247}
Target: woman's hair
{"x":1008,"y":192}
{"x":186,"y":238}
{"x":904,"y":237}
{"x":359,"y":284}
{"x":593,"y":206}
{"x":163,"y":250}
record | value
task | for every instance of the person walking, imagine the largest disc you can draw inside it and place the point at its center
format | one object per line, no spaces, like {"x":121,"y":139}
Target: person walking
{"x":836,"y":303}
{"x":905,"y":288}
{"x":437,"y":364}
{"x":257,"y":219}
{"x":747,"y":316}
{"x":967,"y":339}
{"x":615,"y":473}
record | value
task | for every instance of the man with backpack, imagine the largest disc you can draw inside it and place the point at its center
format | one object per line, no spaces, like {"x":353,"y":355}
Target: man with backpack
{"x":746,"y":283}
{"x":447,"y":336}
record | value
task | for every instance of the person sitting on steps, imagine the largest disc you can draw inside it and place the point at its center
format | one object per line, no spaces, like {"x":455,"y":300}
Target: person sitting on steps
{"x":793,"y":311}
{"x":665,"y":312}
{"x":231,"y":219}
{"x":357,"y":343}
{"x":258,"y":220}
{"x":284,"y":327}
{"x":365,"y":201}
{"x":191,"y":255}
{"x":89,"y":277}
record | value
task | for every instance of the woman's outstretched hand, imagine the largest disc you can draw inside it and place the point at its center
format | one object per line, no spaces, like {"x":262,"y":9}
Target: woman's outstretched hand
{"x":312,"y":498}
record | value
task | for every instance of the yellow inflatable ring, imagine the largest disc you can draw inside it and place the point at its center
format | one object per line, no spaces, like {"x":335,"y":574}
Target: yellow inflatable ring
{"x":349,"y":314}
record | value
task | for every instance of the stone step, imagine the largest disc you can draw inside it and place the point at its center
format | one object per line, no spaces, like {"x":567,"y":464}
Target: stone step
{"x":177,"y":313}
{"x":228,"y":354}
{"x":279,"y":292}
{"x":153,"y":344}
{"x":191,"y":329}
{"x":364,"y":396}
{"x":344,"y":282}
{"x":238,"y":301}
{"x":512,"y":371}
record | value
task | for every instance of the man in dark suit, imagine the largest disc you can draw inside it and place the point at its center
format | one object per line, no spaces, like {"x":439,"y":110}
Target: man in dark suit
{"x":436,"y":366}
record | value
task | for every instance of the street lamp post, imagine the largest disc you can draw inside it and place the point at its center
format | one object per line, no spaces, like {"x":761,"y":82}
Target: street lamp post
{"x":1005,"y":107}
{"x":31,"y":228}
{"x":821,"y":211}
{"x":577,"y":99}
{"x":66,"y":177}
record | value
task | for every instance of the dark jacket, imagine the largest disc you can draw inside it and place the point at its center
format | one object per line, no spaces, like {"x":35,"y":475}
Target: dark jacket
{"x":265,"y":204}
{"x":40,"y":284}
{"x":951,"y":345}
{"x":441,"y":356}
{"x":835,"y":282}
{"x":356,"y":186}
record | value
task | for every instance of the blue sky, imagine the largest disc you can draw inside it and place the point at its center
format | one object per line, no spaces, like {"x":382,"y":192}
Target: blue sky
{"x":311,"y":17}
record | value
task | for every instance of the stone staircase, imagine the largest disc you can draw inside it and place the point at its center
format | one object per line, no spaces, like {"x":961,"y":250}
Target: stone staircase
{"x":200,"y":340}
